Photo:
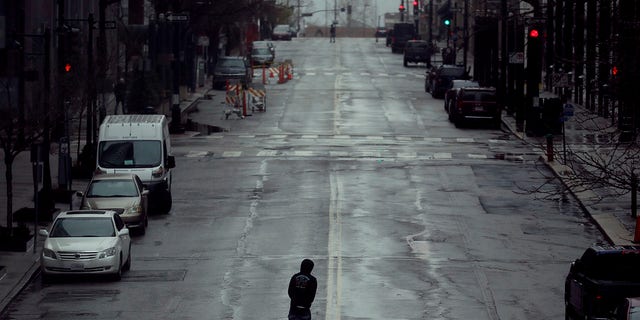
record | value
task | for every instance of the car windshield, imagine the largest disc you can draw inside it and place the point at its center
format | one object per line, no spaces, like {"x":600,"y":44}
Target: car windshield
{"x":83,"y":227}
{"x":231,"y":63}
{"x":112,"y":188}
{"x":261,"y":51}
{"x":454,"y":72}
{"x":130,"y":154}
{"x":418,"y":45}
{"x":479,"y":96}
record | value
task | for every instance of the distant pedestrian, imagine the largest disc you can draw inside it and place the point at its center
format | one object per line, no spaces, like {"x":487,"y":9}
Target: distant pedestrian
{"x":333,"y":33}
{"x":120,"y":91}
{"x":302,"y":291}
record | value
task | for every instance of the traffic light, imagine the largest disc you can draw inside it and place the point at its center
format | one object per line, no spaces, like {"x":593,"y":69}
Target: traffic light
{"x":534,"y":60}
{"x":416,"y":8}
{"x":446,"y":22}
{"x":69,"y":45}
{"x":401,"y":8}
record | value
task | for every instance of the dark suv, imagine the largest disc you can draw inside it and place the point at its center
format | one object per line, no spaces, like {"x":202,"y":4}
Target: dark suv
{"x":402,"y":32}
{"x":232,"y":68}
{"x":416,"y":51}
{"x":438,"y":80}
{"x":479,"y":103}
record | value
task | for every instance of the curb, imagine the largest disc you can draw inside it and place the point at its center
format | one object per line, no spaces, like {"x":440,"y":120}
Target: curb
{"x":21,"y":284}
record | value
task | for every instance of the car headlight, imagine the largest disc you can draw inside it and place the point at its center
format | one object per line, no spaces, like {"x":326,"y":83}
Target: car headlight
{"x":49,"y":253}
{"x":107,"y":253}
{"x":135,"y":209}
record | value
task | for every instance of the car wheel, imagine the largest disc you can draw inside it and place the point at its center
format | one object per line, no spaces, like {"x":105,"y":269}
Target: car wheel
{"x":127,"y":265}
{"x":117,"y":276}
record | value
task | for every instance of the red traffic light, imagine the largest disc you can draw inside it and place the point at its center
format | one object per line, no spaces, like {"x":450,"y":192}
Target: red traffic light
{"x":614,"y":71}
{"x":534,"y":33}
{"x":67,"y":67}
{"x":401,"y":7}
{"x":415,"y":3}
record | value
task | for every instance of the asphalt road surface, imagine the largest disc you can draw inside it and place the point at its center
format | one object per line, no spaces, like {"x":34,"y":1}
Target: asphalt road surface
{"x":357,"y":168}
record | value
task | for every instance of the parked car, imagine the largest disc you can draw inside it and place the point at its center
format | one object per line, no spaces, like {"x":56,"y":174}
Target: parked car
{"x":123,"y":193}
{"x":438,"y":79}
{"x":475,"y":104}
{"x":281,"y":32}
{"x":629,"y":309}
{"x":450,"y":95}
{"x":600,"y":279}
{"x":232,"y":68}
{"x":402,"y":32}
{"x":416,"y":51}
{"x":265,"y":44}
{"x":261,"y":56}
{"x":381,"y":33}
{"x":86,"y":242}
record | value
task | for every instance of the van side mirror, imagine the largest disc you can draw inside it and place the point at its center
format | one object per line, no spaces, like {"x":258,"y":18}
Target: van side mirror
{"x":43,"y":232}
{"x":171,"y":162}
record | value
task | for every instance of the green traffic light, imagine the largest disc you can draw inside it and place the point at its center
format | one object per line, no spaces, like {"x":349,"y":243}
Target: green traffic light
{"x":447,"y":22}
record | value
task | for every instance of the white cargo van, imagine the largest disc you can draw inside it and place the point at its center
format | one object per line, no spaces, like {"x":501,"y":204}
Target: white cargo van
{"x":139,"y":144}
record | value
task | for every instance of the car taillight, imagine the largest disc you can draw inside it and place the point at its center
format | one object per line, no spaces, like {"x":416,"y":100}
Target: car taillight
{"x":158,"y":172}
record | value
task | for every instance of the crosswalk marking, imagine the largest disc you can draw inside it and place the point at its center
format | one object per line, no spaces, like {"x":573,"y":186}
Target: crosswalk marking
{"x":341,"y":137}
{"x":465,"y":140}
{"x":197,"y":154}
{"x":310,"y":136}
{"x":231,"y":154}
{"x":407,"y":155}
{"x":404,"y":138}
{"x":247,"y":136}
{"x":279,"y":136}
{"x":338,"y":153}
{"x":442,"y":155}
{"x":267,"y":153}
{"x":375,"y":138}
{"x":358,"y":155}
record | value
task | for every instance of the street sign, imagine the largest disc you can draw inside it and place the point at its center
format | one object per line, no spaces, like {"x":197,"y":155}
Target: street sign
{"x":568,"y":110}
{"x":516,"y":57}
{"x":560,"y":80}
{"x":178,"y":17}
{"x":110,"y":24}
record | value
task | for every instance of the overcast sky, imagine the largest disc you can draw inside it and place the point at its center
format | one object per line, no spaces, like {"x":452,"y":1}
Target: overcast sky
{"x":381,"y":6}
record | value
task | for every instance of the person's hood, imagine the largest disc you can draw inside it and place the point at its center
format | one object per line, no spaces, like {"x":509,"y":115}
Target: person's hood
{"x":306,"y":266}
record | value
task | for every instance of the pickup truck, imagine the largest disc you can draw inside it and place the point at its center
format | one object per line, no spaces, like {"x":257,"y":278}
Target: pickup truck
{"x":416,"y":51}
{"x":600,"y":280}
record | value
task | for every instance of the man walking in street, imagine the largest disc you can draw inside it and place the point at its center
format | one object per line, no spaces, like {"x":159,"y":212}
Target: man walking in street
{"x":120,"y":91}
{"x":302,"y":291}
{"x":333,"y":33}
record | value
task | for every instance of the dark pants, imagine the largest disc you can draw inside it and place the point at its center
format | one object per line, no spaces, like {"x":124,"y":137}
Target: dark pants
{"x":299,"y":314}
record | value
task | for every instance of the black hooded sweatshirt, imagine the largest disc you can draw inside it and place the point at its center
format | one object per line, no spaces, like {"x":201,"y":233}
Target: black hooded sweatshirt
{"x":302,"y":287}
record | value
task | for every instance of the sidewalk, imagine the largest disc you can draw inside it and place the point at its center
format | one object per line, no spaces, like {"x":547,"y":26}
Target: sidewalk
{"x":17,"y":268}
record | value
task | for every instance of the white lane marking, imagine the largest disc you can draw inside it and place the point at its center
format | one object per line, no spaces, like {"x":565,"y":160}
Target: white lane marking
{"x":465,"y":139}
{"x":404,"y":138}
{"x":197,"y":154}
{"x":231,"y":154}
{"x":375,"y":138}
{"x":442,"y":155}
{"x":407,"y":155}
{"x":310,"y":136}
{"x":302,"y":153}
{"x":278,"y":136}
{"x":267,"y":153}
{"x":477,"y":156}
{"x":334,"y":250}
{"x":247,"y":136}
{"x":339,"y":136}
{"x":433,"y":139}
